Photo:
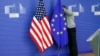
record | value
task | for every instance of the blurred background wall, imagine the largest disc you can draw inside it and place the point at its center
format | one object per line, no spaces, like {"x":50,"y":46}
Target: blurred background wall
{"x":14,"y":31}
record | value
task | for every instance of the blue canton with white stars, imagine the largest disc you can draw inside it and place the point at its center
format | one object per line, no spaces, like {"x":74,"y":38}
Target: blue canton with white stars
{"x":40,"y":11}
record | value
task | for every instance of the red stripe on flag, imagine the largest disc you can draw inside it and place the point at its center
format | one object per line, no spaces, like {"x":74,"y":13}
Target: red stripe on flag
{"x":36,"y":34}
{"x":39,"y":31}
{"x":40,"y":49}
{"x":48,"y":28}
{"x":36,"y":25}
{"x":45,"y":34}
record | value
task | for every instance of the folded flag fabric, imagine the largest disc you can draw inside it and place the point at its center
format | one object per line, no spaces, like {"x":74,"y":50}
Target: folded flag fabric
{"x":59,"y":26}
{"x":40,"y":31}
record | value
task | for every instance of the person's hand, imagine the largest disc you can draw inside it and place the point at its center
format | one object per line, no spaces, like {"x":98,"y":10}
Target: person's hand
{"x":64,"y":9}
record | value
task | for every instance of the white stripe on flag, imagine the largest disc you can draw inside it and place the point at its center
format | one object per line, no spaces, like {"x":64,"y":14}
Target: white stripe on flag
{"x":44,"y":34}
{"x":36,"y":28}
{"x":36,"y":38}
{"x":49,"y":33}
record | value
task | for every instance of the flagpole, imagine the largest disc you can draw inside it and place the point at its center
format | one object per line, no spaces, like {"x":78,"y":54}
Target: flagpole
{"x":40,"y":0}
{"x":40,"y":54}
{"x":59,"y":48}
{"x":58,"y":51}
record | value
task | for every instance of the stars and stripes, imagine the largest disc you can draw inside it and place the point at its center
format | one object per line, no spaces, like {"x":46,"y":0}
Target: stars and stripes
{"x":40,"y":31}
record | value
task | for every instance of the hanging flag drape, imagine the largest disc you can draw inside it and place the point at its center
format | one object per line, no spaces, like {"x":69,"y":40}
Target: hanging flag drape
{"x":40,"y":31}
{"x":58,"y":26}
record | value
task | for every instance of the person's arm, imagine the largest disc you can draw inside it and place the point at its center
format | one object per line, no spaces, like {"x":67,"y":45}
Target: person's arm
{"x":67,"y":12}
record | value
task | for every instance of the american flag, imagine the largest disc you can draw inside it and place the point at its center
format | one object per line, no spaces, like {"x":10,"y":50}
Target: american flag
{"x":40,"y":31}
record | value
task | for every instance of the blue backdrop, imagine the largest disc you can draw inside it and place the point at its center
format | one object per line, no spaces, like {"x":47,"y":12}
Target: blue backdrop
{"x":14,"y":30}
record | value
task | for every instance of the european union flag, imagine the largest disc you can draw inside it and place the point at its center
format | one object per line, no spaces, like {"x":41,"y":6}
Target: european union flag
{"x":59,"y":26}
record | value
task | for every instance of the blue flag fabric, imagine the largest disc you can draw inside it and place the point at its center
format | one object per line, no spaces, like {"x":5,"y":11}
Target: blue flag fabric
{"x":59,"y":26}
